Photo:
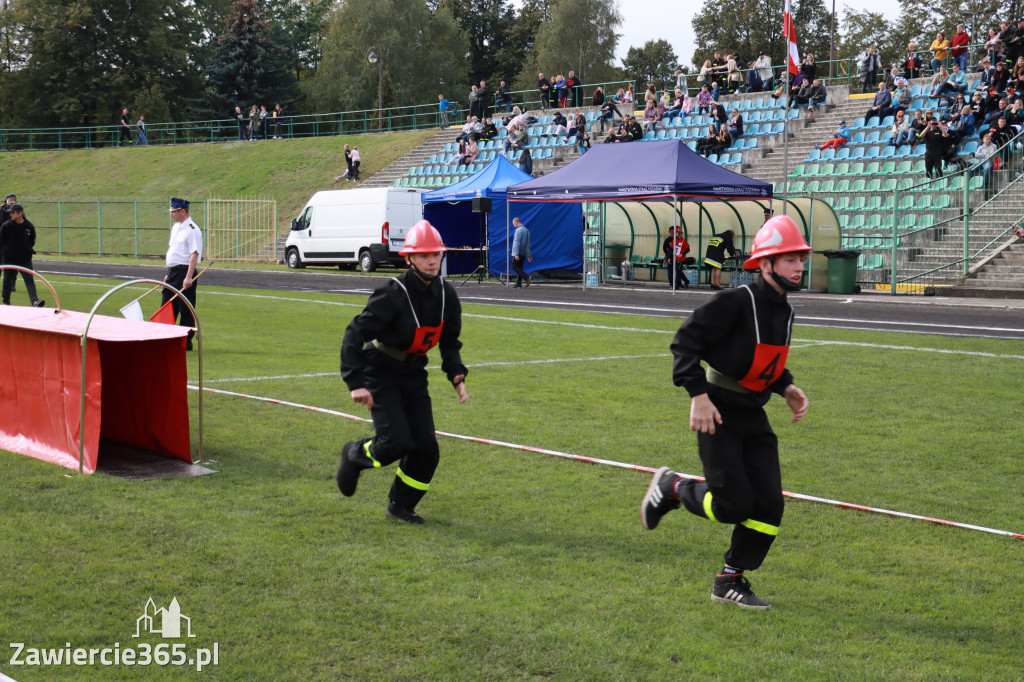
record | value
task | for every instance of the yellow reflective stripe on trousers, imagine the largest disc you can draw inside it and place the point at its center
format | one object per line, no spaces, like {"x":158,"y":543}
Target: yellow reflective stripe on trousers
{"x":707,"y":507}
{"x":760,"y":527}
{"x":366,"y":449}
{"x":411,"y":482}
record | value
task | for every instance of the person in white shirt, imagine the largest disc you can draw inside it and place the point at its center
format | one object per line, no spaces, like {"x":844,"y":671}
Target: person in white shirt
{"x":184,"y":251}
{"x":356,"y":160}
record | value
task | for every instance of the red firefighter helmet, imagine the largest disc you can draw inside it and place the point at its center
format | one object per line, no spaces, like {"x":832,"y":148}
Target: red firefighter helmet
{"x":778,"y":235}
{"x":422,"y":238}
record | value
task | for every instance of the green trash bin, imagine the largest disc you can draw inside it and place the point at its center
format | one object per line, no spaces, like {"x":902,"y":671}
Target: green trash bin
{"x":842,"y":271}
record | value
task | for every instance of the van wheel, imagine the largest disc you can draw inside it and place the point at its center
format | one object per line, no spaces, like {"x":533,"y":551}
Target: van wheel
{"x":366,"y":263}
{"x":293,"y":260}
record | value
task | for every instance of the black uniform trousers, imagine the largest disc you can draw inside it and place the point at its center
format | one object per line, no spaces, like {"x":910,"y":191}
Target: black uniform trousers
{"x":403,"y":419}
{"x":10,"y":276}
{"x":741,"y":465}
{"x":176,"y":277}
{"x":519,"y":267}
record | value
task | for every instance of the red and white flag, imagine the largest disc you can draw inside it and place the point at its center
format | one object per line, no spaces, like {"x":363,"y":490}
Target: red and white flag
{"x":790,"y":33}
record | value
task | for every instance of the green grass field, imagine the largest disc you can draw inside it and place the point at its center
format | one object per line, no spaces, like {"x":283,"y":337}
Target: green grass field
{"x":530,"y":566}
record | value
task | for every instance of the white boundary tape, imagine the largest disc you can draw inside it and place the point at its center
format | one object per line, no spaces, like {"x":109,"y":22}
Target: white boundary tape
{"x":623,"y":465}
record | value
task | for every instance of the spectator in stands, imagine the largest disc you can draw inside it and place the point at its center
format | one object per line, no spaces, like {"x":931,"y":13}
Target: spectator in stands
{"x":901,"y":131}
{"x":736,"y":124}
{"x":544,"y":90}
{"x":490,"y":130}
{"x":576,"y":121}
{"x":704,"y":77}
{"x":455,"y":160}
{"x":936,"y":142}
{"x":687,"y":107}
{"x":1015,"y":114}
{"x":955,"y":84}
{"x":733,"y":75}
{"x":940,"y":51}
{"x":651,"y":95}
{"x":963,"y":123}
{"x":985,"y":73}
{"x":1017,"y":76}
{"x":141,"y":128}
{"x":1002,"y":133}
{"x":504,"y":97}
{"x":723,"y":143}
{"x":912,"y":62}
{"x":716,"y":91}
{"x":938,"y":80}
{"x":650,"y":117}
{"x":718,"y":64}
{"x":1016,"y":46}
{"x":675,"y":104}
{"x":959,"y":44}
{"x":1000,"y":79}
{"x":840,"y":137}
{"x":996,"y":113}
{"x":442,"y":110}
{"x":986,"y":156}
{"x":719,"y":112}
{"x":483,"y":96}
{"x":765,"y":72}
{"x":705,"y":144}
{"x":242,"y":126}
{"x":519,"y":140}
{"x":467,"y":129}
{"x":993,"y":45}
{"x":474,"y":102}
{"x":818,"y":96}
{"x":704,"y":100}
{"x":900,"y":98}
{"x":629,"y":131}
{"x":526,"y":162}
{"x":560,"y":92}
{"x":575,"y":89}
{"x":869,"y":63}
{"x":977,"y":104}
{"x":630,"y":96}
{"x":559,"y":124}
{"x":891,"y":76}
{"x":357,"y":160}
{"x":809,"y":68}
{"x":277,"y":115}
{"x":1006,"y":35}
{"x":598,"y":98}
{"x":681,"y":84}
{"x":254,"y":123}
{"x":608,"y":113}
{"x":918,"y":124}
{"x":956,"y":107}
{"x":754,"y":83}
{"x":472,"y":151}
{"x":883,"y":98}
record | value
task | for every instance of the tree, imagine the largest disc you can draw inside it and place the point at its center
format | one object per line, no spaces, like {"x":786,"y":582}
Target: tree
{"x":756,"y":26}
{"x":422,"y":54}
{"x":655,"y":63}
{"x":488,"y":26}
{"x":247,"y":66}
{"x":522,"y":38}
{"x":84,"y":61}
{"x":300,"y":27}
{"x":579,"y":37}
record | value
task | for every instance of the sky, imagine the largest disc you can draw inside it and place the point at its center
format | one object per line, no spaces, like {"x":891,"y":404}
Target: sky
{"x":645,"y":20}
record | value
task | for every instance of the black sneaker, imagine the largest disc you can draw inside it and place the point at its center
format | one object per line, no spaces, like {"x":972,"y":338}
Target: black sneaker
{"x":660,"y":498}
{"x":348,"y":470}
{"x":404,"y":515}
{"x":38,"y":303}
{"x":735,"y":589}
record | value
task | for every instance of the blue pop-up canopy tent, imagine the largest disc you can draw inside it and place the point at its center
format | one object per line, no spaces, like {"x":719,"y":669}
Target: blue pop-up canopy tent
{"x":555,"y":229}
{"x":648,"y":170}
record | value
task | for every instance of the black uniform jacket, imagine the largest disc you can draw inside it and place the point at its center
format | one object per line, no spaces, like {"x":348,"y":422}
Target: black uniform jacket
{"x":721,"y":332}
{"x":16,"y":242}
{"x":389,"y":319}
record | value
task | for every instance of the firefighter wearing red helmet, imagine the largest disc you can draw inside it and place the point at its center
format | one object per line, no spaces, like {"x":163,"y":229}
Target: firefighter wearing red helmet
{"x":384,"y":365}
{"x":742,"y":335}
{"x":675,"y":247}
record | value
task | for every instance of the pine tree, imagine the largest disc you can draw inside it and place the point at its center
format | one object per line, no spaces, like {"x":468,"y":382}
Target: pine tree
{"x":248,"y":66}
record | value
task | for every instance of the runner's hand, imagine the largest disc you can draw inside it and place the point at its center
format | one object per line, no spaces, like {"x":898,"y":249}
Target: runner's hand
{"x":703,"y":414}
{"x":362,"y":395}
{"x":460,"y":388}
{"x":797,"y":402}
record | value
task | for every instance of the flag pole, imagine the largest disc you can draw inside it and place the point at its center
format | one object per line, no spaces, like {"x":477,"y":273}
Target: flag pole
{"x":789,"y":99}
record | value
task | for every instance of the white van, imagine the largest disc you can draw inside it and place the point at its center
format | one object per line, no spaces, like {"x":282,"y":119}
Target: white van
{"x":364,"y":226}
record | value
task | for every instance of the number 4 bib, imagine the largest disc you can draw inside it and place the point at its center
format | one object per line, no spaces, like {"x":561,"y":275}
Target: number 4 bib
{"x":769,"y":361}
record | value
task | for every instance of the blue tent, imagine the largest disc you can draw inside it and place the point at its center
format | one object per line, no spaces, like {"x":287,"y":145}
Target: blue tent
{"x":648,"y":170}
{"x":556,"y":230}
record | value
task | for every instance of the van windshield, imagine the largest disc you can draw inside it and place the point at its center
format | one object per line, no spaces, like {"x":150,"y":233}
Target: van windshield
{"x":303,"y":222}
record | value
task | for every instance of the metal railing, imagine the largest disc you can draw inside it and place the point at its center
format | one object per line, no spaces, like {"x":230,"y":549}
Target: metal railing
{"x":920,"y":235}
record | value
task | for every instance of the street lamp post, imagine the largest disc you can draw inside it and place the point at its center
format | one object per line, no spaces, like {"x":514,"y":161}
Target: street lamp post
{"x":373,"y":56}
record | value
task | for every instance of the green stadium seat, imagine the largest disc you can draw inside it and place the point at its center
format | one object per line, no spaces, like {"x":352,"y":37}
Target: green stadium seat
{"x":889,"y":185}
{"x":842,"y":203}
{"x":908,"y":221}
{"x":888,"y":203}
{"x":843,"y":168}
{"x":888,"y":168}
{"x":857,"y":168}
{"x":827,"y":186}
{"x":799,"y":172}
{"x":856,"y":222}
{"x":812,"y":186}
{"x":874,"y":203}
{"x":941,"y":202}
{"x":843,"y":186}
{"x":874,"y":185}
{"x":925,"y":221}
{"x":873,"y":168}
{"x":858,"y":203}
{"x":858,"y":185}
{"x":874,"y":221}
{"x":907,"y":203}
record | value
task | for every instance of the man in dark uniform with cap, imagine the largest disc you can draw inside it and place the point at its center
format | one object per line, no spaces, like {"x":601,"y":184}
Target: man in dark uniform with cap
{"x":384,"y":365}
{"x":184,"y":251}
{"x":743,"y":335}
